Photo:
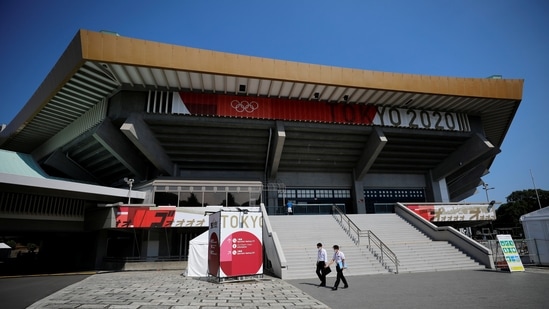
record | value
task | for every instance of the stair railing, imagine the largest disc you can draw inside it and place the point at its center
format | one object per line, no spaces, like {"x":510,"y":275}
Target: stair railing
{"x":383,"y":253}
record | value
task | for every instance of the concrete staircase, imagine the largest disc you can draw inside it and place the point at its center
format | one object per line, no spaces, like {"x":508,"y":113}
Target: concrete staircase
{"x":415,"y":251}
{"x":299,"y":234}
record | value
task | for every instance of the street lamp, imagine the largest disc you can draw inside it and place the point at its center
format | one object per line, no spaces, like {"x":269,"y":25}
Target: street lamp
{"x":491,"y":205}
{"x":485,"y":185}
{"x":129,"y":181}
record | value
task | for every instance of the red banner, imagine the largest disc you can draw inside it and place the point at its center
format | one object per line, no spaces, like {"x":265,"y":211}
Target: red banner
{"x":277,"y":109}
{"x":145,"y":217}
{"x":425,"y":211}
{"x":454,"y":212}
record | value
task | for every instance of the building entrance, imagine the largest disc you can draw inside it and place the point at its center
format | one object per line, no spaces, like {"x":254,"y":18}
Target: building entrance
{"x":313,"y":200}
{"x":382,"y":200}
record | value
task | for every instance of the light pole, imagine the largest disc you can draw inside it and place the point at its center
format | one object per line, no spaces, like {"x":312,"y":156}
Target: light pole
{"x":537,"y":195}
{"x":491,"y":205}
{"x":485,"y":185}
{"x":129,"y":181}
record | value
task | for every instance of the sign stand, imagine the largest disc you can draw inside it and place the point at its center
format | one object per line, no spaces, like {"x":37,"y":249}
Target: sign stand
{"x":235,"y":245}
{"x":510,"y":253}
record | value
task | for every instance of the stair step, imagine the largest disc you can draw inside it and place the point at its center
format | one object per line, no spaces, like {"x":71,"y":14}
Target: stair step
{"x":416,"y":252}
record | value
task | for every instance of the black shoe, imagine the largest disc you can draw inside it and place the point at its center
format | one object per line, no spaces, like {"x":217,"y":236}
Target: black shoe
{"x":322,"y":284}
{"x":345,"y":286}
{"x":334,"y":289}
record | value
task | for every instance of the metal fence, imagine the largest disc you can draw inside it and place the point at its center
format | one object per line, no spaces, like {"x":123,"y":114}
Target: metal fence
{"x":537,"y":250}
{"x":531,"y":251}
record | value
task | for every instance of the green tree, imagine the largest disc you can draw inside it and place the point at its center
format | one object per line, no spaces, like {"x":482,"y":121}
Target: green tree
{"x":191,"y":201}
{"x":231,"y":199}
{"x":518,"y":204}
{"x":31,"y":247}
{"x":11,"y":243}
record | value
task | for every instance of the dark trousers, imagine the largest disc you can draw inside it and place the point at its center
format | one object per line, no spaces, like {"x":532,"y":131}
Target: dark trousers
{"x":320,"y":272}
{"x":340,"y":277}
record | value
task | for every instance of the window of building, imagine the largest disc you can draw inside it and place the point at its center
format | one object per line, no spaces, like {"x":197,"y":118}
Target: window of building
{"x":208,"y":195}
{"x":305,"y":193}
{"x":324,"y":193}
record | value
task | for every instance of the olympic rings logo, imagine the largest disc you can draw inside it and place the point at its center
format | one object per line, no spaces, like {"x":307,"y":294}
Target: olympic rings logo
{"x":244,"y":106}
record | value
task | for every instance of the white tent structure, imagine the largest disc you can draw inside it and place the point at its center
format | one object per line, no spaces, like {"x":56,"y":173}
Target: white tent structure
{"x":536,"y":230}
{"x":197,"y":263}
{"x":5,"y":251}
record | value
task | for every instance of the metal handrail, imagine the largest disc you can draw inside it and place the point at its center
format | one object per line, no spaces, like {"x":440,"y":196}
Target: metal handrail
{"x":355,"y":233}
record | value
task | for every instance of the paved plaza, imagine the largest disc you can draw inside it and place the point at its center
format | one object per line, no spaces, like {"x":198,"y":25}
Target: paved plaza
{"x":170,"y":289}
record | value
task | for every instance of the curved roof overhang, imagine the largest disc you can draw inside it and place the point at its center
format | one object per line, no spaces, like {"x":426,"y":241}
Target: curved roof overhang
{"x":95,"y":66}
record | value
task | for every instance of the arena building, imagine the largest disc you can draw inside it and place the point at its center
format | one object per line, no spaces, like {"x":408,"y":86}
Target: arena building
{"x":121,"y":121}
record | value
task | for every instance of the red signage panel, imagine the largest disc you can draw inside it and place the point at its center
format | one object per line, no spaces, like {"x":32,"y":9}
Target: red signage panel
{"x":144,"y":217}
{"x":277,"y":109}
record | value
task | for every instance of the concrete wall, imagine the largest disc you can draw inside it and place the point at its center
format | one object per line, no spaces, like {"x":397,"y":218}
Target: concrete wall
{"x":447,"y":233}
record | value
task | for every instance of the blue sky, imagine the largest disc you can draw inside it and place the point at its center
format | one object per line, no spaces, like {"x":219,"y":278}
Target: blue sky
{"x":466,"y":38}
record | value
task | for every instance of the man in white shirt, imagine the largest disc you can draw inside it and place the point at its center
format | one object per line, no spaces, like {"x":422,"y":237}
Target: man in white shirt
{"x":321,"y":260}
{"x":339,"y":259}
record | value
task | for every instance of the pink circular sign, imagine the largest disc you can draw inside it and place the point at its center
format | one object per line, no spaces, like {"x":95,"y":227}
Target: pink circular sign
{"x":241,"y":254}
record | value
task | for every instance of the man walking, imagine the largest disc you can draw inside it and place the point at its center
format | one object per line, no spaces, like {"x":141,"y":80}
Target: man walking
{"x":339,"y":259}
{"x":321,"y":260}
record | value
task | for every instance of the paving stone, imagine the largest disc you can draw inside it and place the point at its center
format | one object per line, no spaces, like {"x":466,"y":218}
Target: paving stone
{"x":169,"y":290}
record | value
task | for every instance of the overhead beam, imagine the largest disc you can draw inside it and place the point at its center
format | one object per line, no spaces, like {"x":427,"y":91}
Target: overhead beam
{"x":460,"y":196}
{"x":279,"y":139}
{"x":475,"y":149}
{"x":63,"y":163}
{"x":469,"y":176}
{"x":139,"y":133}
{"x":467,"y":183}
{"x":119,"y":146}
{"x":375,"y":144}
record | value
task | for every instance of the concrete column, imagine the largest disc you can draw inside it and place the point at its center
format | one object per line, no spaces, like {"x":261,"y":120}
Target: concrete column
{"x":272,"y":202}
{"x":100,"y":248}
{"x":151,"y":245}
{"x":358,"y":194}
{"x":440,"y":191}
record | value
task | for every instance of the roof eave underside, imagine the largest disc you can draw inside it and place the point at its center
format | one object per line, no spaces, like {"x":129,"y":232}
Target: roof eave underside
{"x":127,"y":51}
{"x":95,"y":65}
